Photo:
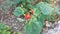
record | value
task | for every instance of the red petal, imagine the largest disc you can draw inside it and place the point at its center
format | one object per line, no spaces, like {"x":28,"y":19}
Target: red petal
{"x":27,"y":16}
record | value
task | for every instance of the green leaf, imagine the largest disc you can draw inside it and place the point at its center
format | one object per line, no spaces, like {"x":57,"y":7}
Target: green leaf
{"x":34,"y":26}
{"x":18,"y":11}
{"x":30,"y":6}
{"x":25,"y":10}
{"x":29,"y":1}
{"x":16,"y":1}
{"x":37,"y":11}
{"x":3,"y":31}
{"x":4,"y":27}
{"x":4,"y":8}
{"x":40,"y":19}
{"x":7,"y":32}
{"x":48,"y":1}
{"x":8,"y":2}
{"x":20,"y":32}
{"x":45,"y":8}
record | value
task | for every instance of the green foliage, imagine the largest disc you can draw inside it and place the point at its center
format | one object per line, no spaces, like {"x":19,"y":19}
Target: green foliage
{"x":18,"y":11}
{"x":57,"y":9}
{"x":25,"y":10}
{"x":48,"y":1}
{"x":4,"y":27}
{"x":15,"y":2}
{"x":8,"y":3}
{"x":34,"y":26}
{"x":5,"y":32}
{"x":5,"y":8}
{"x":52,"y":18}
{"x":30,"y":6}
{"x":29,"y":1}
{"x":37,"y":11}
{"x":20,"y":32}
{"x":45,"y":8}
{"x":41,"y":11}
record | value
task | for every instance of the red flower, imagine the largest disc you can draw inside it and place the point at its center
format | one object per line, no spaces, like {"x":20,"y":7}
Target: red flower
{"x":27,"y":16}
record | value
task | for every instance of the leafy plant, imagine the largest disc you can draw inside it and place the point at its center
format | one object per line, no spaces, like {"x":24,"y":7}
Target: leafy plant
{"x":18,"y":11}
{"x":42,"y":11}
{"x":45,"y":8}
{"x":4,"y":29}
{"x":3,"y":26}
{"x":34,"y":25}
{"x":48,"y":1}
